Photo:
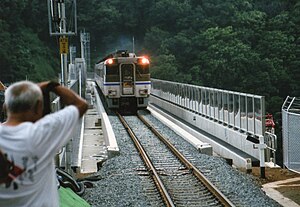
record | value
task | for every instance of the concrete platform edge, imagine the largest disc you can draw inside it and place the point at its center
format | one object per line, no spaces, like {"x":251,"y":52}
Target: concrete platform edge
{"x":202,"y":147}
{"x":270,"y":189}
{"x":108,"y":133}
{"x":80,"y":144}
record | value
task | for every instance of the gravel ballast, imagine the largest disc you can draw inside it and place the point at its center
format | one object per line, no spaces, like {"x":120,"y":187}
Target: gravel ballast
{"x":125,"y":182}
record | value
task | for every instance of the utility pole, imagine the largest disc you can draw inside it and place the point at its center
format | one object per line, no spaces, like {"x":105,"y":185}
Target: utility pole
{"x":64,"y":40}
{"x":85,"y":47}
{"x":85,"y":57}
{"x":58,"y":27}
{"x":133,"y":44}
{"x":64,"y":79}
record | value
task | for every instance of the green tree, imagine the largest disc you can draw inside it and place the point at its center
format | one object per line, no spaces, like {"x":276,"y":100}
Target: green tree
{"x":164,"y":67}
{"x":154,"y":39}
{"x":168,"y":14}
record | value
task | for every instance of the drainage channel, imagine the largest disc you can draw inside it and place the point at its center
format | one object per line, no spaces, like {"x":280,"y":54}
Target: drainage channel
{"x":177,"y":180}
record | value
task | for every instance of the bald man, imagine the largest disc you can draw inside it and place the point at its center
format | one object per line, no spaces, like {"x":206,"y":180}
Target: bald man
{"x":29,"y":141}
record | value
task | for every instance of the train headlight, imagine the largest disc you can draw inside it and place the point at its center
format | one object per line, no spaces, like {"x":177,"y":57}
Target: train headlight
{"x":143,"y":91}
{"x":109,"y":61}
{"x":112,"y":92}
{"x":143,"y":61}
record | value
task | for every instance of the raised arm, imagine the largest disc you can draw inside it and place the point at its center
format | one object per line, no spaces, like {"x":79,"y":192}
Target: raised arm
{"x":67,"y":96}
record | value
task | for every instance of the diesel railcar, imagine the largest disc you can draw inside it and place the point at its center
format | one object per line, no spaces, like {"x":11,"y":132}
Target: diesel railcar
{"x":124,"y":80}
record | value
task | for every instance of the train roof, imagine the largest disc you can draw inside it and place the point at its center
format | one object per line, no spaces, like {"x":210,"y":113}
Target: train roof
{"x":118,"y":53}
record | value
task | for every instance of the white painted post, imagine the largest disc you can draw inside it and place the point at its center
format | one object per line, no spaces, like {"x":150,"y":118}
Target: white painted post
{"x":261,"y":147}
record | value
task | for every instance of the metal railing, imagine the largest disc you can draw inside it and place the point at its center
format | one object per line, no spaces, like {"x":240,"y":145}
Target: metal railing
{"x":291,"y":133}
{"x":241,"y":111}
{"x":56,"y":106}
{"x":271,"y":147}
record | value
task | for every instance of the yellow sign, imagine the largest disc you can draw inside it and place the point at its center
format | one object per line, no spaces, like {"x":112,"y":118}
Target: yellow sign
{"x":63,"y":45}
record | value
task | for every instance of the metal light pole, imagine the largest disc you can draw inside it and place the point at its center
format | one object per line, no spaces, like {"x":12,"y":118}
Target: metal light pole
{"x":57,"y":27}
{"x":63,"y":55}
{"x":64,"y":79}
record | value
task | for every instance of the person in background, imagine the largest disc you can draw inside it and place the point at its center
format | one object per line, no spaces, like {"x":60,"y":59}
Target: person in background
{"x":29,"y":141}
{"x":2,"y":113}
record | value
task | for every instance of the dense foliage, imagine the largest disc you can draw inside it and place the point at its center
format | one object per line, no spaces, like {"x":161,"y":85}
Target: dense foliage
{"x":249,"y":46}
{"x":25,"y":51}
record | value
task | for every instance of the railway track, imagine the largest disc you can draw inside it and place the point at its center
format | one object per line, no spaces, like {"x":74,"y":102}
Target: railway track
{"x":177,"y":180}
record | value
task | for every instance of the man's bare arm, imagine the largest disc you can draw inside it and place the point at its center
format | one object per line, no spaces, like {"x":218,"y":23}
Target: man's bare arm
{"x":67,"y":96}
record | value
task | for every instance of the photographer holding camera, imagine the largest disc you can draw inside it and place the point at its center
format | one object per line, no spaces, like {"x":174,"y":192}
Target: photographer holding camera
{"x":29,"y":140}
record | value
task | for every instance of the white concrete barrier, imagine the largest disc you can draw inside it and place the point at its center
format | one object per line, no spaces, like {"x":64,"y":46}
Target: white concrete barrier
{"x":181,"y":130}
{"x":108,"y":133}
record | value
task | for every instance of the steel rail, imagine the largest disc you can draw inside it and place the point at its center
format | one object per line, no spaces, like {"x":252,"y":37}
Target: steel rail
{"x":218,"y":194}
{"x":159,"y":184}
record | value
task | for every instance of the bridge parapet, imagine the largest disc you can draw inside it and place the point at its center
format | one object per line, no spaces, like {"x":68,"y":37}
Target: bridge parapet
{"x":227,"y":118}
{"x":65,"y":159}
{"x":241,"y":111}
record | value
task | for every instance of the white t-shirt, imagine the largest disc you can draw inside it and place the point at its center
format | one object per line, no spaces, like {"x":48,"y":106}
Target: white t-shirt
{"x":32,"y":147}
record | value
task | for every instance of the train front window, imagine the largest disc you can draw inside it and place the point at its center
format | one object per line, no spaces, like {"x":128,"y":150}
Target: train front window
{"x":142,"y":69}
{"x":127,"y":72}
{"x":142,"y":72}
{"x":112,"y":70}
{"x":112,"y":73}
{"x":127,"y":79}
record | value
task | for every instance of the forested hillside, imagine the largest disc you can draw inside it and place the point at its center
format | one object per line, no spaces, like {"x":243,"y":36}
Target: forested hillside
{"x":248,"y":46}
